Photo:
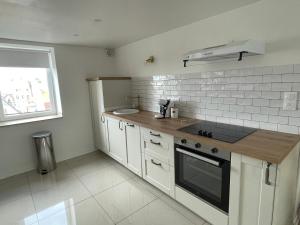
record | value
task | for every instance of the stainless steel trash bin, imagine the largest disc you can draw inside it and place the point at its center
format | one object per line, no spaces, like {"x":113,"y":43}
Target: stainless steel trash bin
{"x":45,"y":152}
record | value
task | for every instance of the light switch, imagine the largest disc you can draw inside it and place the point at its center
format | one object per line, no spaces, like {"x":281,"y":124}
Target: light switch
{"x":290,"y":101}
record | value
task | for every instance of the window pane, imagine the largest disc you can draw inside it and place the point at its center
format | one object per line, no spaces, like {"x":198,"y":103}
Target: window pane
{"x":24,"y":90}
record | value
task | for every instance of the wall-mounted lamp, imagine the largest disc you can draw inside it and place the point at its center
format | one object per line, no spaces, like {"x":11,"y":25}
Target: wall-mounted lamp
{"x":150,"y":60}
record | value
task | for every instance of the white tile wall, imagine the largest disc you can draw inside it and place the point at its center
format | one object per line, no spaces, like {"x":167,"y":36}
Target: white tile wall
{"x":249,"y":97}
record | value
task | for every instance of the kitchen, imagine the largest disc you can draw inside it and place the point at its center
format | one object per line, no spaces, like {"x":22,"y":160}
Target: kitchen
{"x":152,"y":131}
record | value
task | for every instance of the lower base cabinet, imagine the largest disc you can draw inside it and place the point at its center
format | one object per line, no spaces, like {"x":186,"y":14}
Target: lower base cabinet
{"x":159,"y":174}
{"x":134,"y":153}
{"x":125,"y":144}
{"x":262,"y":193}
{"x":117,"y":140}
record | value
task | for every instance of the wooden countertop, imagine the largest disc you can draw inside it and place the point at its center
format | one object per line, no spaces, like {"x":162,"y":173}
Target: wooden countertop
{"x":265,"y":145}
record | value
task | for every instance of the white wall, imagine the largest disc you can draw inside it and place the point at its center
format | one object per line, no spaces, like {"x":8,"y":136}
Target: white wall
{"x":72,"y":134}
{"x":274,"y":21}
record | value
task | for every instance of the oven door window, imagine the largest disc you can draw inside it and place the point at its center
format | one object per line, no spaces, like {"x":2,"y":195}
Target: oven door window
{"x":204,"y":179}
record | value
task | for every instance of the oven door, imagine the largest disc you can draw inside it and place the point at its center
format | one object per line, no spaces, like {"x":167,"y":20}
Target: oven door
{"x":203,"y":175}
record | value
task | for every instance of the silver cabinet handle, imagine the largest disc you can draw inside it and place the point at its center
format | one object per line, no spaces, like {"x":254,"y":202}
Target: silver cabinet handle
{"x":120,"y":127}
{"x":102,"y":118}
{"x":155,"y":143}
{"x":202,"y":158}
{"x":267,"y":174}
{"x":155,"y":163}
{"x":130,"y":125}
{"x":153,"y":134}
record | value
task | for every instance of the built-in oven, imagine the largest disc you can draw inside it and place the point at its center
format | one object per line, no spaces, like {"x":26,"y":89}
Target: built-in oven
{"x":203,"y":171}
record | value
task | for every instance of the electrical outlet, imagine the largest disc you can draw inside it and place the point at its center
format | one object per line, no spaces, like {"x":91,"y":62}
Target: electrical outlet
{"x":290,"y":101}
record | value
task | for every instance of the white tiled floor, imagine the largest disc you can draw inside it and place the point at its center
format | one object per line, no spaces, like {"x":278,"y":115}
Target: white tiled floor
{"x":88,"y":190}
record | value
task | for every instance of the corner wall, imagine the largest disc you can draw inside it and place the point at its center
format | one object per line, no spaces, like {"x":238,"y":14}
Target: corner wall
{"x":273,"y":21}
{"x":72,"y":134}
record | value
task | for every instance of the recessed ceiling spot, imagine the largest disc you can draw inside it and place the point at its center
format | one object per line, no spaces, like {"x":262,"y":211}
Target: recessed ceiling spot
{"x":97,"y":20}
{"x":75,"y":35}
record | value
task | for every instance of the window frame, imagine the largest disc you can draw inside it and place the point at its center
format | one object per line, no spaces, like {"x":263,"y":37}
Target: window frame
{"x":53,"y":85}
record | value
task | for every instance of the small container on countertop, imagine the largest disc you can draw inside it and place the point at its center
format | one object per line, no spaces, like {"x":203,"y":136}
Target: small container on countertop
{"x":174,"y":112}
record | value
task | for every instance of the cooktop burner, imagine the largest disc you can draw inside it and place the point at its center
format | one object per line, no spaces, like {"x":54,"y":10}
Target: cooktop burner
{"x":219,"y":131}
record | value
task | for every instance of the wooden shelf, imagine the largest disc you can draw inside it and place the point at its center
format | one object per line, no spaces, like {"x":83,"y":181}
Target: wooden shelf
{"x":107,"y":78}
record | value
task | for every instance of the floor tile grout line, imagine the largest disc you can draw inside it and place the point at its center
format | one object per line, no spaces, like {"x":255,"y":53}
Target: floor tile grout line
{"x":68,"y":206}
{"x":33,"y":202}
{"x":132,"y":213}
{"x":103,"y":209}
{"x":130,"y":178}
{"x":177,"y":210}
{"x":93,"y":196}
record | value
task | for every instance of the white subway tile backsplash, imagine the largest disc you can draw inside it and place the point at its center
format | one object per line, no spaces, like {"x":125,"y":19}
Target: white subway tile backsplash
{"x":295,"y":77}
{"x":251,"y":123}
{"x":260,"y":117}
{"x":252,"y":109}
{"x":288,"y":129}
{"x":261,"y":102}
{"x":249,"y":97}
{"x":272,"y":78}
{"x":297,"y":68}
{"x":231,"y":101}
{"x":271,"y":94}
{"x":236,"y":108}
{"x":268,"y":126}
{"x":269,"y":110}
{"x":244,"y":101}
{"x":293,"y":121}
{"x":244,"y":116}
{"x":278,"y":119}
{"x":283,"y":69}
{"x":281,"y":87}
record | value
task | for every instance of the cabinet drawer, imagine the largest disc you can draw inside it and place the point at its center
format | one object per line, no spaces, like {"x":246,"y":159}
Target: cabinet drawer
{"x":157,"y":148}
{"x":157,"y":173}
{"x":156,"y":135}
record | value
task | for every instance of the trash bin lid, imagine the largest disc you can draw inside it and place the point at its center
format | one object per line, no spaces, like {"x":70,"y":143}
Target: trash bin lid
{"x":41,"y":134}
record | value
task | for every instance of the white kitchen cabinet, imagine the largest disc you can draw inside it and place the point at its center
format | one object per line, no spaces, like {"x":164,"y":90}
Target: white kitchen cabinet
{"x":259,"y":197}
{"x":106,"y":95}
{"x":117,"y":140}
{"x":158,"y":160}
{"x":99,"y":121}
{"x":159,"y":174}
{"x":133,"y":140}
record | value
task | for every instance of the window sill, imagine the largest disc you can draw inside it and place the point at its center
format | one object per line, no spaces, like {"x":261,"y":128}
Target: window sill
{"x":30,"y":120}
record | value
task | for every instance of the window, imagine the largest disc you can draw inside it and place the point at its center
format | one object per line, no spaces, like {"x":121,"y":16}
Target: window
{"x":28,"y":83}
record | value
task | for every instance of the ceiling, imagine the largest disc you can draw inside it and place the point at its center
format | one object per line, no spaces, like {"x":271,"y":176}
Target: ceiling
{"x":103,"y":23}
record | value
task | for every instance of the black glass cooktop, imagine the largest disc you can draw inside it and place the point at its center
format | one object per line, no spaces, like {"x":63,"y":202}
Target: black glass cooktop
{"x":219,"y":131}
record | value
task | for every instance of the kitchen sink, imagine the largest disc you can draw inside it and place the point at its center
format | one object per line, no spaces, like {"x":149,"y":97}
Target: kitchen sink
{"x":125,"y":111}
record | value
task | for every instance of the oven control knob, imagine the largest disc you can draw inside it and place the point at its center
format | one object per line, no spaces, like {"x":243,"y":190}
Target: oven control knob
{"x":197,"y":145}
{"x":214,"y":150}
{"x":183,"y":141}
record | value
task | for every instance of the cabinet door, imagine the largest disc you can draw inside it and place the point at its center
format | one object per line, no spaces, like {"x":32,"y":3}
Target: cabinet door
{"x":103,"y":138}
{"x":158,"y":173}
{"x":117,"y":140}
{"x":251,"y":191}
{"x":99,"y":124}
{"x":133,"y":138}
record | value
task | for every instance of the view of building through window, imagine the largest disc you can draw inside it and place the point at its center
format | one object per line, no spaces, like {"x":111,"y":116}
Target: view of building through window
{"x":24,"y":90}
